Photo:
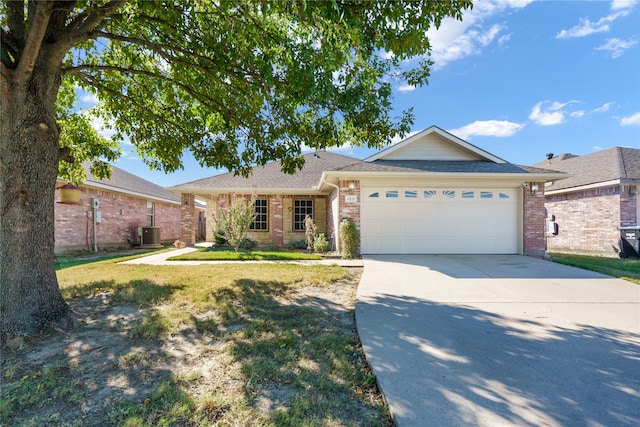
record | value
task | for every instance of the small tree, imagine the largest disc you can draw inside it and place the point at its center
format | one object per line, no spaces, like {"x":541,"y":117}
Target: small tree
{"x":349,"y":239}
{"x":310,"y":231}
{"x":236,"y":218}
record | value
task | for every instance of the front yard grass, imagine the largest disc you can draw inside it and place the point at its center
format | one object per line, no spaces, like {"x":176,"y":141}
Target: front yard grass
{"x":260,"y":345}
{"x":228,"y":254}
{"x":627,"y":269}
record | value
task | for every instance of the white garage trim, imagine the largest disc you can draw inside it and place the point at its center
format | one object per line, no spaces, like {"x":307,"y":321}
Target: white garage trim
{"x":439,"y":220}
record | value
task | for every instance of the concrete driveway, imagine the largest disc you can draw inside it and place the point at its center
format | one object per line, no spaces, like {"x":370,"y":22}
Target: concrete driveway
{"x":500,"y":341}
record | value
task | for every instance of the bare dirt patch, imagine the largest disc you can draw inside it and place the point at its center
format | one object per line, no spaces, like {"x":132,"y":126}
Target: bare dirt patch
{"x":99,"y":371}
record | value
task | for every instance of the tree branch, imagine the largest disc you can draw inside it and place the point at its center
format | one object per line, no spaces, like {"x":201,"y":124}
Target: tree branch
{"x":15,"y":21}
{"x":34,"y":41}
{"x":87,"y":21}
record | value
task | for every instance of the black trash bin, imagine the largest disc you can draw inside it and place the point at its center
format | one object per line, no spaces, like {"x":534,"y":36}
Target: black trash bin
{"x":630,"y":242}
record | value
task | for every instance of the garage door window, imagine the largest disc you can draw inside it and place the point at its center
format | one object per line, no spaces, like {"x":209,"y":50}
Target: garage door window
{"x":486,"y":195}
{"x":427,"y":194}
{"x":451,"y":194}
{"x":410,"y":194}
{"x":467,"y":195}
{"x":392,"y":194}
{"x":376,"y":194}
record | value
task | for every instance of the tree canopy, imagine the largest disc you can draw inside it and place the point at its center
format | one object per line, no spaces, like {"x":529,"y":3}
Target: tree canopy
{"x":237,"y":83}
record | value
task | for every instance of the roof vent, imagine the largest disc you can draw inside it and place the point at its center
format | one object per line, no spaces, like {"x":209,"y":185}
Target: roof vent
{"x":549,"y":156}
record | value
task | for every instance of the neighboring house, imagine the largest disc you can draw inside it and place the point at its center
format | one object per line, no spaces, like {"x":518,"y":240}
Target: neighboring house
{"x":125,"y":203}
{"x":586,"y":210}
{"x":432,"y":193}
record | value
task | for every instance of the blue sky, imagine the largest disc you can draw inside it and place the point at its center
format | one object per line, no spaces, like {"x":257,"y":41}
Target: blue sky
{"x":520,"y":79}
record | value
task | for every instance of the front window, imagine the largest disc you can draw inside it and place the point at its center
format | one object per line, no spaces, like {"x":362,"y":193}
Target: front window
{"x":261,"y":221}
{"x":301,"y":209}
{"x":151,"y":213}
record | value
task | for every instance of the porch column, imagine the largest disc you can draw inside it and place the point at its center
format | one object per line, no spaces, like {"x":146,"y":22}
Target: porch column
{"x":188,"y":219}
{"x":533,"y":218}
{"x":277,"y":220}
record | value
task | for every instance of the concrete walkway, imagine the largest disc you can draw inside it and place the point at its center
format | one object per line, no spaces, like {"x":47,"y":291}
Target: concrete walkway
{"x":162,"y":259}
{"x":500,"y":341}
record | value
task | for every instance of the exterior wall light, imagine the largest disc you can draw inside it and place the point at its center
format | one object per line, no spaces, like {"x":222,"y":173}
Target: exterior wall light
{"x":352,"y":185}
{"x":534,"y":188}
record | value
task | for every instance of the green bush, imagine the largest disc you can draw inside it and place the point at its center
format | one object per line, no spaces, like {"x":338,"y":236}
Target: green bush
{"x":349,"y":239}
{"x":220,"y":239}
{"x":297,"y":244}
{"x":320,"y":243}
{"x":248,"y":243}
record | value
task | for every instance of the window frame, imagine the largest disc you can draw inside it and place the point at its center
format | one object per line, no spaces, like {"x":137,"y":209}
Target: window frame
{"x":299,"y":217}
{"x":151,"y":213}
{"x":257,"y":210}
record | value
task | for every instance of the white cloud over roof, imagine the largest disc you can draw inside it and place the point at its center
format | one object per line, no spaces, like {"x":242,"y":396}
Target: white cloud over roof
{"x":496,"y":128}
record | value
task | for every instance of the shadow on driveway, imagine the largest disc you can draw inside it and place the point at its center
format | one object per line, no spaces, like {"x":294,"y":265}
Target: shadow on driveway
{"x":515,"y":350}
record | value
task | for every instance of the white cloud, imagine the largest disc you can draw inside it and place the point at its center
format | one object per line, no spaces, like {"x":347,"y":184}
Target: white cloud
{"x":456,"y":40}
{"x":496,"y":128}
{"x":397,"y":138}
{"x":549,"y":115}
{"x":632,"y":120}
{"x":587,"y":27}
{"x":617,"y":46}
{"x":386,"y":55}
{"x":623,"y":4}
{"x":89,"y":98}
{"x":578,"y":113}
{"x":605,"y":107}
{"x":406,"y":88}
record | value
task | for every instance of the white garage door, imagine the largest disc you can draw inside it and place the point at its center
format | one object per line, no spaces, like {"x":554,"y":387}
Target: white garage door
{"x":439,"y":221}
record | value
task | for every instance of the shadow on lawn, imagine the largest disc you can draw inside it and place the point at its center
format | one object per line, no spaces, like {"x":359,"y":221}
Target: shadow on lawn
{"x":297,"y":356}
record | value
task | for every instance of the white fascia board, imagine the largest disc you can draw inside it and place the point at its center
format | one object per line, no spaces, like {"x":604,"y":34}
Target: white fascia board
{"x":434,"y":129}
{"x":129,"y":192}
{"x":524,"y":177}
{"x":591,"y":186}
{"x":213,"y":191}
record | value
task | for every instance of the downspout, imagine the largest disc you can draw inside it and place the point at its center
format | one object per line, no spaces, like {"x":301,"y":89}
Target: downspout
{"x":336,"y":230}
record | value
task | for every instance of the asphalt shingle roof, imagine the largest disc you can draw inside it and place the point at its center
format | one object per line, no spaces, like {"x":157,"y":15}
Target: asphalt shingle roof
{"x":617,"y":163}
{"x":434,"y":166}
{"x":271,"y":175}
{"x":123,"y":180}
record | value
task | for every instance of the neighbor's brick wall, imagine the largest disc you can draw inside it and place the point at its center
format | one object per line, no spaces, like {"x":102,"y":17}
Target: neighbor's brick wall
{"x":74,"y":231}
{"x":588,"y":221}
{"x":533,"y":221}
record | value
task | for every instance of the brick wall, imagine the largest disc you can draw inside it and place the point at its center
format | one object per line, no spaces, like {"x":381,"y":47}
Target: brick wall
{"x":188,"y":219}
{"x":120,"y":212}
{"x":280,"y":231}
{"x":533,"y":221}
{"x":588,"y":221}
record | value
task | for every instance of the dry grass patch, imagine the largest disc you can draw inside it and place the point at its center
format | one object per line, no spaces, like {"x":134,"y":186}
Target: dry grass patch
{"x":248,"y":345}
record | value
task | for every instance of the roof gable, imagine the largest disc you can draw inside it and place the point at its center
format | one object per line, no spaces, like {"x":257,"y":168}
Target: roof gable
{"x":434,"y":144}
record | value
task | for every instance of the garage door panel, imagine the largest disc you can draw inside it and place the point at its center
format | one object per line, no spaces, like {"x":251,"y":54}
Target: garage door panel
{"x":440,"y":220}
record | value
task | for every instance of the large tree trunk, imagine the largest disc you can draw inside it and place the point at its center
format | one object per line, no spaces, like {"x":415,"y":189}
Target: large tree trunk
{"x":30,"y":298}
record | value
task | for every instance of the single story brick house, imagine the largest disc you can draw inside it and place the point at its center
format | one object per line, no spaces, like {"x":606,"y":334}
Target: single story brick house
{"x":125,"y":203}
{"x":586,"y":210}
{"x":432,"y":193}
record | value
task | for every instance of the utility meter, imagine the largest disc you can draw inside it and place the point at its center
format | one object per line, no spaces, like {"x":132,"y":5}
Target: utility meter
{"x":95,"y":203}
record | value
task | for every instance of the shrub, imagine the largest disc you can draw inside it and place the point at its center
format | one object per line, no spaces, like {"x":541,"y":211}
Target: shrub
{"x":297,"y":244}
{"x":221,"y":240}
{"x":320,"y":243}
{"x":236,"y":218}
{"x":310,"y":231}
{"x":247,"y":243}
{"x":349,"y":239}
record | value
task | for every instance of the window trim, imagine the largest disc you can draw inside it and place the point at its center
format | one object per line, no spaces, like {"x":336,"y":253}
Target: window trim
{"x":256,"y":213}
{"x":151,"y":215}
{"x":295,"y":212}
